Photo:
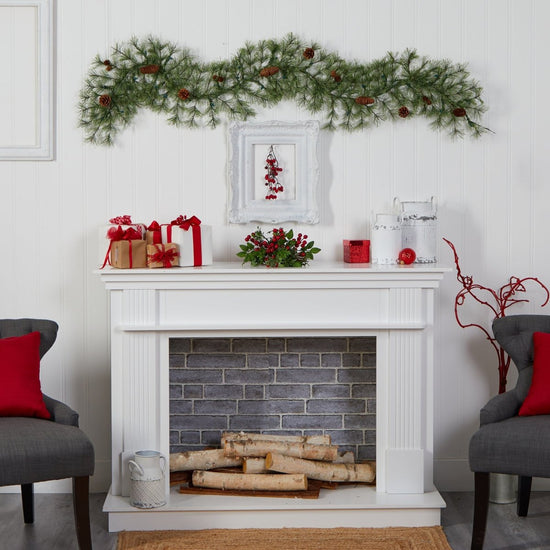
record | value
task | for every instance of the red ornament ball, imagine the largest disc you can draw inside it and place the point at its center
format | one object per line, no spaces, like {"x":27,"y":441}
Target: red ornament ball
{"x":407,"y":256}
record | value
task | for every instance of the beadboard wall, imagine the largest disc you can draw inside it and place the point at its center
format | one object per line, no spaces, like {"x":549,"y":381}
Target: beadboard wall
{"x":493,"y":194}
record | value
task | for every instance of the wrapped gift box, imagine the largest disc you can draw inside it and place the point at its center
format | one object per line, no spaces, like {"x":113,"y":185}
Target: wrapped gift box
{"x":193,"y":238}
{"x":162,"y":255}
{"x":106,"y":231}
{"x":128,"y":254}
{"x":153,"y":233}
{"x":357,"y":251}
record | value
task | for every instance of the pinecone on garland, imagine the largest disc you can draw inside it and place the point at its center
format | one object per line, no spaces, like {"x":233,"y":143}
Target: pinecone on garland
{"x":269,"y":71}
{"x":149,"y":69}
{"x":426,"y":100}
{"x":336,"y":76}
{"x":404,"y":112}
{"x":217,"y":78}
{"x":459,"y":111}
{"x":309,"y":53}
{"x":364,"y":100}
{"x":183,"y":93}
{"x":105,"y":100}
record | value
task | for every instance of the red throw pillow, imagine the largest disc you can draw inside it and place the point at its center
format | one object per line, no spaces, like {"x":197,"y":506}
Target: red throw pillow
{"x":538,"y":397}
{"x":20,"y":393}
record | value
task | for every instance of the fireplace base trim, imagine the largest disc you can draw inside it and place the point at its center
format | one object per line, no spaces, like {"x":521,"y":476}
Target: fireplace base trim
{"x":350,"y":506}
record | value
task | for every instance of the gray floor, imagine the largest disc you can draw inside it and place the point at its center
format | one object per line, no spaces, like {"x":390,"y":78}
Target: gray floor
{"x":54,"y":529}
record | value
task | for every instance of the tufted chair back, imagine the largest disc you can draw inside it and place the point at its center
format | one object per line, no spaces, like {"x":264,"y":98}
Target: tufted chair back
{"x":20,"y":327}
{"x":515,"y":334}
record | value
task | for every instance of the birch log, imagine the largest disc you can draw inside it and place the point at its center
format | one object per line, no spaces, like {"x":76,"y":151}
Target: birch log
{"x":260,"y":448}
{"x":323,"y":471}
{"x":202,"y":460}
{"x":254,"y":466}
{"x":250,"y":482}
{"x":312,"y":439}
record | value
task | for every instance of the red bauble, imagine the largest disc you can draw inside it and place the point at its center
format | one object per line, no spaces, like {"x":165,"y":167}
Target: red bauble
{"x":407,"y":256}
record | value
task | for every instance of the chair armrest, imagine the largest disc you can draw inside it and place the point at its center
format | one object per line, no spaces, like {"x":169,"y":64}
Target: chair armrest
{"x":61,"y":413}
{"x":500,"y":407}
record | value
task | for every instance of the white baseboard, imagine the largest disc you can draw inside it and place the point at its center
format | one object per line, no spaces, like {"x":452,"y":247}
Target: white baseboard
{"x":99,"y":482}
{"x":454,"y":475}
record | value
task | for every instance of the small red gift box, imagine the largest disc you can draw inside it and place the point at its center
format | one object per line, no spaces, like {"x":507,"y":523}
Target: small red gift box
{"x":357,"y":251}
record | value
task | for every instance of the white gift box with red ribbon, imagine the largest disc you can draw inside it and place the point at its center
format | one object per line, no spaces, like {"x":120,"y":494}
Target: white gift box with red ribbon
{"x":193,"y":238}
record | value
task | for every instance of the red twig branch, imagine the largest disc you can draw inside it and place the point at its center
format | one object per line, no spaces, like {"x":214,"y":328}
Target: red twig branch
{"x":498,"y":301}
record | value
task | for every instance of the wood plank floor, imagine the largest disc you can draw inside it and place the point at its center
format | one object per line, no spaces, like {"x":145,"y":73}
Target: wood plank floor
{"x":54,"y":528}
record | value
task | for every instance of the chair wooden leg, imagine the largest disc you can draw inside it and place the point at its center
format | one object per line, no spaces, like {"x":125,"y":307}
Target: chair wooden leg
{"x":481,"y":506}
{"x":524,"y":494}
{"x":27,"y":498}
{"x":81,"y":505}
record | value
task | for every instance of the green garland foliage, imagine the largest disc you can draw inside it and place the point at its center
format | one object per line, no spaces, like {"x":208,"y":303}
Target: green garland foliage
{"x":348,"y":95}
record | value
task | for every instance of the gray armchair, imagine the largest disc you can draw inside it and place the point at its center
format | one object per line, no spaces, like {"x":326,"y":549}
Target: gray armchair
{"x":505,"y":442}
{"x":35,"y":449}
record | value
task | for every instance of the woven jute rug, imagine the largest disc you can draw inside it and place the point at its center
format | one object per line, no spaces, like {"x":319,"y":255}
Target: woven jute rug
{"x":391,"y":538}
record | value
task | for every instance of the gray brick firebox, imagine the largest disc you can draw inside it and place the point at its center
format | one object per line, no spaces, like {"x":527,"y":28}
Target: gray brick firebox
{"x":273,"y":385}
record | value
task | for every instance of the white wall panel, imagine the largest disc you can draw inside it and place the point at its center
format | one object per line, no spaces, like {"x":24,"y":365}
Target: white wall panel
{"x":492,"y":192}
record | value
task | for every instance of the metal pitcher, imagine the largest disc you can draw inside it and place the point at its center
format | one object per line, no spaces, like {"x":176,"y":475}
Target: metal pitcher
{"x":385,"y":240}
{"x":419,"y":228}
{"x":147,"y":485}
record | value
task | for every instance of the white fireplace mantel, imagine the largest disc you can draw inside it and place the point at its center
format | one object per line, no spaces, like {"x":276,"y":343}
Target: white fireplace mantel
{"x":394,"y":303}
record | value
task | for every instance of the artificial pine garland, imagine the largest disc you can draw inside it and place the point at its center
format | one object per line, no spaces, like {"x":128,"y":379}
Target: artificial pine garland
{"x":347,"y":94}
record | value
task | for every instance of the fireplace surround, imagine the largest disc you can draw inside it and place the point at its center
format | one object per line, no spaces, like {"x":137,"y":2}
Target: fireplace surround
{"x":394,"y":303}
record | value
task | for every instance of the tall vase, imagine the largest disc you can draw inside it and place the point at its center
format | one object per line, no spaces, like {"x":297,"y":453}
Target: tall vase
{"x":385,"y":240}
{"x":503,"y":488}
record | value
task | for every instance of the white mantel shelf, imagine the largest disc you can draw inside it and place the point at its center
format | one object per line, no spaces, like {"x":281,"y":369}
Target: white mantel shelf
{"x":317,"y":270}
{"x":395,"y":303}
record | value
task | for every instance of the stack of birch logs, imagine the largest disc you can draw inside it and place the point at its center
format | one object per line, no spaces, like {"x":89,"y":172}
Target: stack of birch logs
{"x":270,"y":463}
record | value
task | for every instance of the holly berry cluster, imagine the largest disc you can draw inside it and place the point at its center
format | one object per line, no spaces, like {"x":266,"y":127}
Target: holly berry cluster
{"x":272,"y":176}
{"x":281,"y":249}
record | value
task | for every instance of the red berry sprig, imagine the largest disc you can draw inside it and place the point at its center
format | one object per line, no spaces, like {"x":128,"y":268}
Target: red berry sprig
{"x":272,"y":177}
{"x":282,"y":249}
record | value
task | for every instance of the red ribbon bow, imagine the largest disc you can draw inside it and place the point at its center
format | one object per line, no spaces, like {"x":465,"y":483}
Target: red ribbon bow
{"x":119,"y":234}
{"x":189,"y":222}
{"x":166,"y":256}
{"x":121,"y":220}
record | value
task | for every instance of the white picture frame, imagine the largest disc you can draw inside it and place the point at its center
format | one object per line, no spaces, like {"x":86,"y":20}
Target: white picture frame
{"x":295,"y":144}
{"x":26,"y":93}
